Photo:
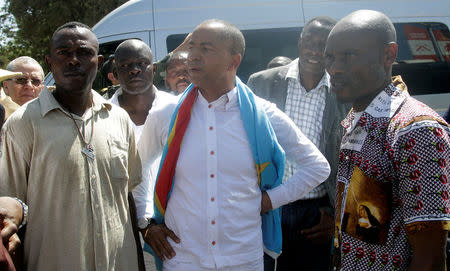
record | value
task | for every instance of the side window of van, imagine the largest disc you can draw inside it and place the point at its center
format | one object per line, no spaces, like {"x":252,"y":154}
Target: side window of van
{"x":423,"y":58}
{"x":261,"y":46}
{"x":106,"y":50}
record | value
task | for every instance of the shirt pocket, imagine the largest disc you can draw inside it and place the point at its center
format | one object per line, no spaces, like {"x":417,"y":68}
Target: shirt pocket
{"x":119,"y":160}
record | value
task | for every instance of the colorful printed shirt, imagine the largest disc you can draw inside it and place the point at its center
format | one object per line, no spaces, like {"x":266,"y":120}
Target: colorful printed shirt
{"x":392,"y":177}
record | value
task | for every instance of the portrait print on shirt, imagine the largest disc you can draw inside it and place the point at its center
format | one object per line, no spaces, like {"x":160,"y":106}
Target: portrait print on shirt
{"x":367,"y":212}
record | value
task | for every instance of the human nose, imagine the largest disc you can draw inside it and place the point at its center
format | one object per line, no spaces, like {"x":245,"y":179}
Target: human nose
{"x":183,"y":74}
{"x":135,"y":69}
{"x":193,"y":54}
{"x":73,"y":59}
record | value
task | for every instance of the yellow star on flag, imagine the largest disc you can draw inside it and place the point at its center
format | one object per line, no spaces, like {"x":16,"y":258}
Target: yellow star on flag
{"x":259,"y":169}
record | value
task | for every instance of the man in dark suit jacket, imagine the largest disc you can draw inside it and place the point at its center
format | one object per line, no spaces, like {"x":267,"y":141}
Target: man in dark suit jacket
{"x":301,"y":90}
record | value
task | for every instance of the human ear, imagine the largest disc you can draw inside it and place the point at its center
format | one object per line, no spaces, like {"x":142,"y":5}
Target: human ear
{"x":390,"y":54}
{"x":100,"y":60}
{"x":48,"y":61}
{"x":5,"y":88}
{"x":235,"y":61}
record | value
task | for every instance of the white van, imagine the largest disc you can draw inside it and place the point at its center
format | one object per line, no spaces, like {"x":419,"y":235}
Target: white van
{"x":272,"y":27}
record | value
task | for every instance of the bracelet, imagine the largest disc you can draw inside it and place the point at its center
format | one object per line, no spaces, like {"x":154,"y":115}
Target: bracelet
{"x":24,"y":213}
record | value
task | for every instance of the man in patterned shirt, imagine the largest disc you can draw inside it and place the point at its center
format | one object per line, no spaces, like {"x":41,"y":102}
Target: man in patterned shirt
{"x":301,"y":90}
{"x":392,"y":206}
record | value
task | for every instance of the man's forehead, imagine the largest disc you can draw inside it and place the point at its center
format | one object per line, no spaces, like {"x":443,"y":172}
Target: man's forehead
{"x":177,"y":63}
{"x":77,"y":35}
{"x":132,"y":53}
{"x":205,"y":34}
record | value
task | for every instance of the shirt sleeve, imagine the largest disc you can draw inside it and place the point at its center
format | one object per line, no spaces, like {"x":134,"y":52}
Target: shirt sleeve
{"x":15,"y":154}
{"x":134,"y":161}
{"x":150,"y":146}
{"x":421,"y":161}
{"x":313,"y":167}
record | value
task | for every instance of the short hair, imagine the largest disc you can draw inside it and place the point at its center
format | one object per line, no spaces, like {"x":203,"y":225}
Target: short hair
{"x":180,"y":55}
{"x":278,"y":61}
{"x":231,"y":33}
{"x":71,"y":25}
{"x":324,"y":21}
{"x":13,"y":65}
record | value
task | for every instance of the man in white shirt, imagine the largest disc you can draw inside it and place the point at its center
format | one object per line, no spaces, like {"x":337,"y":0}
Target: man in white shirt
{"x":133,"y":68}
{"x":213,"y":216}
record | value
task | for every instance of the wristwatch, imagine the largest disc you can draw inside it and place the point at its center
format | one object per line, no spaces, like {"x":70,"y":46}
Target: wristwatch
{"x":24,"y":213}
{"x":143,"y":223}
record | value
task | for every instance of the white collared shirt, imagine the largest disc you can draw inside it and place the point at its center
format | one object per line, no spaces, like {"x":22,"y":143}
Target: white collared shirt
{"x":215,"y":203}
{"x":144,"y":191}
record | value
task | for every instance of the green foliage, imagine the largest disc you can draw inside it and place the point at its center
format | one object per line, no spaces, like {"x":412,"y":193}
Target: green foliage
{"x":29,"y":24}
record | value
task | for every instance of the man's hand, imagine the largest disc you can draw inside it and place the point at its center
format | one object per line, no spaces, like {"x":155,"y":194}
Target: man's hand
{"x":322,"y":232}
{"x":428,"y":245}
{"x":156,"y":237}
{"x":11,"y":214}
{"x":184,"y":45}
{"x":266,"y":203}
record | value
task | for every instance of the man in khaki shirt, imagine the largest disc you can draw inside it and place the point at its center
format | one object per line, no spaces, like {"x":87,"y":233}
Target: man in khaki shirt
{"x":71,"y":157}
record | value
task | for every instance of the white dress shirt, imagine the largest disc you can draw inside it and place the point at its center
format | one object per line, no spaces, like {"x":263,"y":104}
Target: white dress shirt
{"x":144,"y":206}
{"x":215,"y":203}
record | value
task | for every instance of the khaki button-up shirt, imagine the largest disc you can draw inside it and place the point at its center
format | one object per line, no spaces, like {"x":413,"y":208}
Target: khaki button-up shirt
{"x":78,"y":210}
{"x":9,"y":105}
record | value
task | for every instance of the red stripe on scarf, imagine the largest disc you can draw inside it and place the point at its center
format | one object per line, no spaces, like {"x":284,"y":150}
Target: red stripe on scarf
{"x":165,"y":178}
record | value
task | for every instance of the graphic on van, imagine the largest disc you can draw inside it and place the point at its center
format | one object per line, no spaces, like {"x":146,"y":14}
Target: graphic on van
{"x":420,"y":43}
{"x":443,"y":41}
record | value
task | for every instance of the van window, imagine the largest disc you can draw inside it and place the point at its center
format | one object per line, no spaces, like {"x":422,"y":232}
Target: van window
{"x":105,"y":49}
{"x":261,"y":45}
{"x":423,"y":58}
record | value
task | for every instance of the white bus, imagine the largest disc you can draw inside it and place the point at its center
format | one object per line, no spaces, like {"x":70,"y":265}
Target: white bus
{"x":272,"y":27}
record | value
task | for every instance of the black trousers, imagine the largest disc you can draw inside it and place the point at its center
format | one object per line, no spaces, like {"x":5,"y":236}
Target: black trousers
{"x":299,"y":253}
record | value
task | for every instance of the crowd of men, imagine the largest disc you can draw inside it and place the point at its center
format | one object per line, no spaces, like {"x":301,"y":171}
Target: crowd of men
{"x":323,"y":163}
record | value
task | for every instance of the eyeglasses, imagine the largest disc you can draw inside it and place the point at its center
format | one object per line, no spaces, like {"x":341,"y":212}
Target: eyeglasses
{"x":24,"y":81}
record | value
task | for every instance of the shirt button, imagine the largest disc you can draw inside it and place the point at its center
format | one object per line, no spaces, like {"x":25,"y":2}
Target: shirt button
{"x":213,"y":243}
{"x":211,"y":128}
{"x":93,"y":176}
{"x":210,"y":105}
{"x":212,"y":199}
{"x":213,"y":222}
{"x":212,"y":176}
{"x":212,"y":152}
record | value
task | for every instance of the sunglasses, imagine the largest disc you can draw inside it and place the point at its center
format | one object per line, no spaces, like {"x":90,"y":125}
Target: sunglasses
{"x":24,"y":81}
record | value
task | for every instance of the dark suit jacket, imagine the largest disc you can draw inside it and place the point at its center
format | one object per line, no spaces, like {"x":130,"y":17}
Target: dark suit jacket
{"x":272,"y":85}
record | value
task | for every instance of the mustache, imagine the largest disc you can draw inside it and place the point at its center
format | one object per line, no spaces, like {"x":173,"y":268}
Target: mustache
{"x":183,"y":81}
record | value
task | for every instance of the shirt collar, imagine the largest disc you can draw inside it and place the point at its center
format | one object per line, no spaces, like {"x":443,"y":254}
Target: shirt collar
{"x":293,"y":73}
{"x":384,"y":105}
{"x":49,"y":103}
{"x":224,"y":102}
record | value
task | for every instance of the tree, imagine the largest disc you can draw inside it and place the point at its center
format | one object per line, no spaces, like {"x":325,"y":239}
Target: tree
{"x":37,"y":19}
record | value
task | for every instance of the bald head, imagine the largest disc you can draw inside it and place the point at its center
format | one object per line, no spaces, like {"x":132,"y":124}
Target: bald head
{"x":359,"y":54}
{"x":131,"y":46}
{"x":227,"y":32}
{"x":369,"y":22}
{"x":133,"y":67}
